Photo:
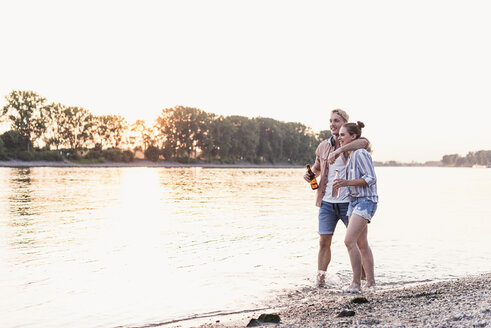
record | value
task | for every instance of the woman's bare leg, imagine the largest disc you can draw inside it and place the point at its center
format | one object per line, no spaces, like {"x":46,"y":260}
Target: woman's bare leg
{"x":366,"y":257}
{"x":355,"y":227}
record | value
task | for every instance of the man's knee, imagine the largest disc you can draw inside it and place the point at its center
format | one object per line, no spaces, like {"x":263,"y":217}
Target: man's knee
{"x":325,"y":241}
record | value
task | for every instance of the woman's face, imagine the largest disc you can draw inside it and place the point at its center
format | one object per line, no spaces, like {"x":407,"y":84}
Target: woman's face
{"x":336,"y":122}
{"x":344,"y":137}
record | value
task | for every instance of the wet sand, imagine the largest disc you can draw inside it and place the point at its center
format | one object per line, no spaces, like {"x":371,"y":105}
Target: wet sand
{"x":464,"y":302}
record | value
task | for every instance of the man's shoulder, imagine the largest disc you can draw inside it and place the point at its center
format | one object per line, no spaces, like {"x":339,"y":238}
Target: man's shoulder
{"x":324,"y":145}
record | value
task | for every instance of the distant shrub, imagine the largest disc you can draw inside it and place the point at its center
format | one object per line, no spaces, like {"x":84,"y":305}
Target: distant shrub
{"x":117,"y":155}
{"x":25,"y":156}
{"x":73,"y":156}
{"x":94,"y":154}
{"x":99,"y":160}
{"x":13,"y":140}
{"x":113,"y":155}
{"x":227,"y":161}
{"x":3,"y":155}
{"x":152,"y":153}
{"x":128,"y":156}
{"x":48,"y":155}
{"x":185,"y":160}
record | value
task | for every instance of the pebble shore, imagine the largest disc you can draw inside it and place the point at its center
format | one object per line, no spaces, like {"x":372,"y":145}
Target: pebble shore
{"x":464,"y":302}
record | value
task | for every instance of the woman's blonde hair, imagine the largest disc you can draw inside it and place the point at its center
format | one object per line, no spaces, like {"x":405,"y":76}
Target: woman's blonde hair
{"x":341,"y":113}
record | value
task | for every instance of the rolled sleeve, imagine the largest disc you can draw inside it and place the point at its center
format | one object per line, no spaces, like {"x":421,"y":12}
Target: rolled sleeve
{"x":369,"y":180}
{"x":364,"y":164}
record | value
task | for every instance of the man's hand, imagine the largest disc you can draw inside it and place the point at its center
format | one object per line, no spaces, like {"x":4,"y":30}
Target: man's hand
{"x":307,"y":177}
{"x":332,"y":157}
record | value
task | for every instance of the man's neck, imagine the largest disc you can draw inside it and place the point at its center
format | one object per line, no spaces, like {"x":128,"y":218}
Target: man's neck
{"x":336,"y":141}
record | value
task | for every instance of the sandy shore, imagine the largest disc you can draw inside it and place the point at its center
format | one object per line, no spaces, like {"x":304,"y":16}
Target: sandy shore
{"x":462,"y":302}
{"x":143,"y":163}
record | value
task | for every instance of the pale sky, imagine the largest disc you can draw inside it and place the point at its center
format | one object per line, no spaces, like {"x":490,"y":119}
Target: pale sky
{"x":417,"y":73}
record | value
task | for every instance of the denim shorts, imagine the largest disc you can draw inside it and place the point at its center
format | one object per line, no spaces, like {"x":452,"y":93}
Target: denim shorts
{"x":330,"y":214}
{"x":362,"y":207}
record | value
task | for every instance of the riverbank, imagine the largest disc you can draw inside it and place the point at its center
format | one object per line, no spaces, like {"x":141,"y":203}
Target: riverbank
{"x":144,"y":163}
{"x":464,"y":302}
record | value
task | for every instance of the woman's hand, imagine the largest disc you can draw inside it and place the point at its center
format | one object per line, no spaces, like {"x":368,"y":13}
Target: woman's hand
{"x":338,"y":183}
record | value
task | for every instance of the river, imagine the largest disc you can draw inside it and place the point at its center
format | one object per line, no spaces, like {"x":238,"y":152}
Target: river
{"x":107,"y":247}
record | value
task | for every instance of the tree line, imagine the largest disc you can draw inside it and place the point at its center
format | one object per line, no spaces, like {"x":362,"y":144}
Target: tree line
{"x":180,"y":133}
{"x":481,"y":157}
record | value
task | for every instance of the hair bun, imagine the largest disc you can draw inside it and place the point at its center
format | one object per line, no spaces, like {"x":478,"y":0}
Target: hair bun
{"x":361,"y":125}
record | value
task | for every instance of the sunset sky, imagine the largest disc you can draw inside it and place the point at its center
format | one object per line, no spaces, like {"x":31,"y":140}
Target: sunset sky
{"x":417,"y":73}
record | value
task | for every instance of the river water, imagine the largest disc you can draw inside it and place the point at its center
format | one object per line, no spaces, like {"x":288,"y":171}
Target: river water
{"x":108,"y":247}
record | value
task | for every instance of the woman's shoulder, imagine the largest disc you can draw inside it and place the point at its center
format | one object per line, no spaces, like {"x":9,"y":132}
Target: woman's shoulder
{"x":362,"y":152}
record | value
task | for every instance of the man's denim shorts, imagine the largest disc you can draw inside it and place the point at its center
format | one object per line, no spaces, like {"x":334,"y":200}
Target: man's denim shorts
{"x":330,"y":214}
{"x":362,"y":207}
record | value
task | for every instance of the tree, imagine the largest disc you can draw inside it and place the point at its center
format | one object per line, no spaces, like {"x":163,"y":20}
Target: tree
{"x":246,"y":137}
{"x":111,"y":130}
{"x":299,"y":143}
{"x":270,"y":139}
{"x":222,"y":132}
{"x":75,"y":127}
{"x":483,"y":157}
{"x":139,"y":135}
{"x":450,"y":160}
{"x":181,"y":130}
{"x":324,"y":135}
{"x":52,"y":135}
{"x":24,"y":109}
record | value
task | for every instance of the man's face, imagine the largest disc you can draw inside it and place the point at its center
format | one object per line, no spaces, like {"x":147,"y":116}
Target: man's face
{"x":336,"y":121}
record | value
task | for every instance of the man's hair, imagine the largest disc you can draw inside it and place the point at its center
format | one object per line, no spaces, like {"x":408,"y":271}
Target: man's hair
{"x":341,"y":113}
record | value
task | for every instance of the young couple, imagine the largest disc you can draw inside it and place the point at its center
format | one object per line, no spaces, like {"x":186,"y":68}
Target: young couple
{"x":345,"y":153}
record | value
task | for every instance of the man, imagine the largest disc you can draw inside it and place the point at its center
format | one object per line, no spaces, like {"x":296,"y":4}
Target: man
{"x":329,"y":159}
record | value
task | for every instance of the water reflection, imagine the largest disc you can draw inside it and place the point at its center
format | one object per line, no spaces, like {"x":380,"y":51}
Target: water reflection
{"x":20,"y":194}
{"x":128,"y":246}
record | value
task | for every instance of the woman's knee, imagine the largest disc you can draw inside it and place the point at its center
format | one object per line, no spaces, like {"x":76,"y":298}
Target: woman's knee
{"x":350,"y":242}
{"x":363,"y":245}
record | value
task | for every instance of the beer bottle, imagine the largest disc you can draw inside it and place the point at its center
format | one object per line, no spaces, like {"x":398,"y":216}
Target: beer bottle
{"x":336,"y":191}
{"x":313,"y":180}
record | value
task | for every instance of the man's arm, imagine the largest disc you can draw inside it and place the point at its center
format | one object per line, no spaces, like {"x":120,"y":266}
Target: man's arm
{"x":316,"y":167}
{"x":354,"y":145}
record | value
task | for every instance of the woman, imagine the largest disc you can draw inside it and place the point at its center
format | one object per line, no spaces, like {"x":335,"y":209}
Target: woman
{"x":362,"y":188}
{"x":333,"y":207}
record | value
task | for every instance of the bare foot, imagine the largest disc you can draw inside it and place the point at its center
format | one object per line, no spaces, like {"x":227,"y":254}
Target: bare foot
{"x":321,"y":278}
{"x":352,"y":289}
